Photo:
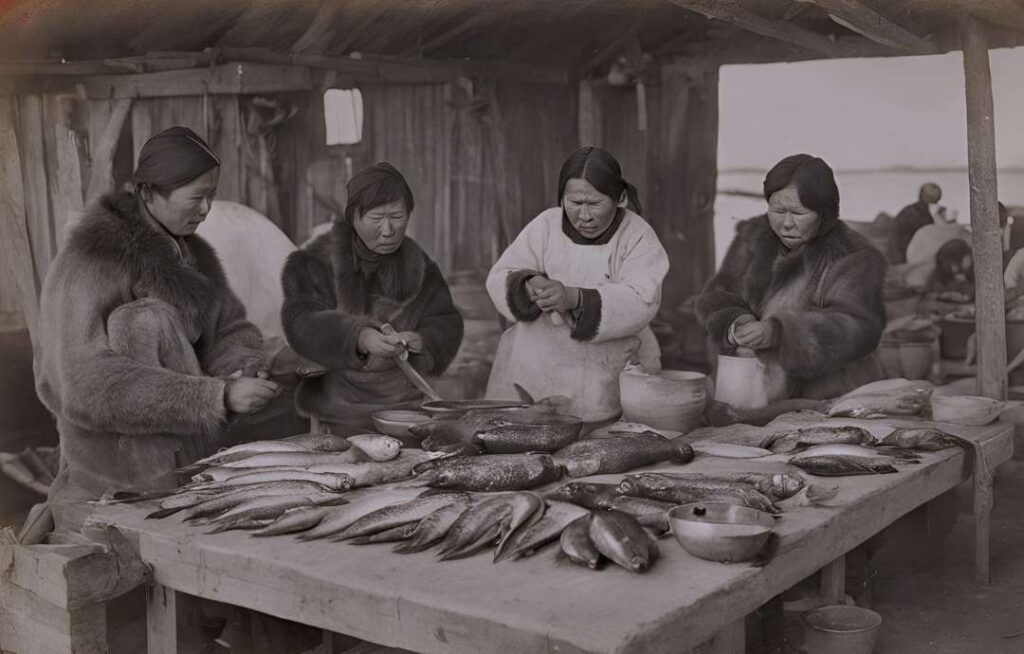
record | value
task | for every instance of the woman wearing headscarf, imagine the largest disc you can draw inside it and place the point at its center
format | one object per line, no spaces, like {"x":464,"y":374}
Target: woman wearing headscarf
{"x":362,"y":295}
{"x":581,"y":283}
{"x":144,"y":350}
{"x":799,"y":288}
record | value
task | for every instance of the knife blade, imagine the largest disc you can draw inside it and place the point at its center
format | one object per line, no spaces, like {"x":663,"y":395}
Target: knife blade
{"x":410,"y":372}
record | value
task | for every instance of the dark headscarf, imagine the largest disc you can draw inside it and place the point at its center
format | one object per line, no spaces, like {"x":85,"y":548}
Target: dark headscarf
{"x":173,"y":158}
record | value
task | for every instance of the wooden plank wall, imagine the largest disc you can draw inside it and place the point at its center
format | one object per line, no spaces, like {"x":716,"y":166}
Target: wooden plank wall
{"x":673,"y":164}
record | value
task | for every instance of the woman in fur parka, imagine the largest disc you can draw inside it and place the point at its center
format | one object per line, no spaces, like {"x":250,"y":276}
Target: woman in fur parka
{"x":359,"y":297}
{"x":800,"y":288}
{"x":143,"y":348}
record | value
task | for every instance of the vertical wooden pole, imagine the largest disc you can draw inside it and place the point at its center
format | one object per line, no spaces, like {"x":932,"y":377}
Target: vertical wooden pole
{"x":161,"y":619}
{"x":988,"y":243}
{"x":15,"y":249}
{"x":832,"y":585}
{"x":101,"y":174}
{"x":589,"y":115}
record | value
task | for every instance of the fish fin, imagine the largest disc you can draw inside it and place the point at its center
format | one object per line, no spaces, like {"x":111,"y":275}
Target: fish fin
{"x":334,"y":501}
{"x":523,"y":394}
{"x":163,"y":513}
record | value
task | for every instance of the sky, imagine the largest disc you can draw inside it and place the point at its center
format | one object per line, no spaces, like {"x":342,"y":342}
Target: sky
{"x":865,"y":113}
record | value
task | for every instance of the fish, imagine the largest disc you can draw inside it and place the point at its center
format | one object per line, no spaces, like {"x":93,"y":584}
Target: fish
{"x":493,"y":472}
{"x":820,"y":435}
{"x":294,"y":520}
{"x":376,"y":446}
{"x":576,"y":544}
{"x":184,"y":500}
{"x":620,"y":454}
{"x":527,"y":509}
{"x":338,"y":518}
{"x":320,"y":442}
{"x":267,"y":508}
{"x":336,"y":482}
{"x":620,"y":538}
{"x":893,"y":455}
{"x":296,"y":459}
{"x":924,"y":439}
{"x":546,"y":433}
{"x":841,"y":466}
{"x":474,"y":526}
{"x":397,"y":514}
{"x":729,"y":450}
{"x":243,"y":451}
{"x":431,"y":529}
{"x":776,"y":486}
{"x":223,"y":501}
{"x":557,"y":516}
{"x":649,"y":513}
{"x":589,"y":495}
{"x":398,"y":533}
{"x":682,"y":491}
{"x":442,"y":432}
{"x":885,"y":398}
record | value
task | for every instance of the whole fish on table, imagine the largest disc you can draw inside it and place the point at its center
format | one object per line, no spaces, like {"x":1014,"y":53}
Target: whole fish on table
{"x":885,"y":398}
{"x":203,"y":506}
{"x":295,"y":459}
{"x":649,"y":513}
{"x":395,"y":534}
{"x":589,"y":495}
{"x":493,"y":472}
{"x":680,"y":491}
{"x":476,"y":528}
{"x":294,"y":520}
{"x":776,"y":486}
{"x":924,"y":439}
{"x":620,"y":454}
{"x":377,"y":446}
{"x":398,"y":514}
{"x":320,"y":442}
{"x":243,"y":451}
{"x":339,"y":518}
{"x":892,"y":455}
{"x":431,"y":529}
{"x":820,"y":435}
{"x":557,"y":516}
{"x":268,"y":509}
{"x":842,"y":466}
{"x":622,"y":539}
{"x":338,"y":482}
{"x":502,"y":432}
{"x":576,"y":544}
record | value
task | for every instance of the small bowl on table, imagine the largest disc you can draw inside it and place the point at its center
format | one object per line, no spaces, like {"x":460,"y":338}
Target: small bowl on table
{"x":397,"y":423}
{"x":718,"y":531}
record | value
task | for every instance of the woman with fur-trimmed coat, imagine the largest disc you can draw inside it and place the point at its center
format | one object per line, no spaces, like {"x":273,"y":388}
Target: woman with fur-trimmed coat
{"x":800,"y":288}
{"x":143,"y":348}
{"x":361,"y":296}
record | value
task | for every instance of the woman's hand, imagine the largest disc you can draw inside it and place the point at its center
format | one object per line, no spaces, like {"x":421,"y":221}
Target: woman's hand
{"x":413,"y":341}
{"x":248,"y":394}
{"x":552,"y":295}
{"x":756,"y":335}
{"x":375,"y":342}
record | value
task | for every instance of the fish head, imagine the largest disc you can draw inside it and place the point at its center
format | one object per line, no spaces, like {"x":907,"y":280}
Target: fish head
{"x":638,"y":563}
{"x":788,"y":484}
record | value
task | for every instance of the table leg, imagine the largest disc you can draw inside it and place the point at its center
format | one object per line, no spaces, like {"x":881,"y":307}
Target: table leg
{"x":983,"y":478}
{"x":161,"y":619}
{"x":832,"y":586}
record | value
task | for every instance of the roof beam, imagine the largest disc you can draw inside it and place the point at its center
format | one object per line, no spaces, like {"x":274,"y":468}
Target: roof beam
{"x":734,"y":12}
{"x":321,"y":31}
{"x":864,"y":20}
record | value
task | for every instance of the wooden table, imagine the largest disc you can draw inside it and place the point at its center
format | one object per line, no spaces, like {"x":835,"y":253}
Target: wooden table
{"x":537,"y":605}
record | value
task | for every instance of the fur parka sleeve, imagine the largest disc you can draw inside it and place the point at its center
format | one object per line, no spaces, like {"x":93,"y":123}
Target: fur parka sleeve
{"x":313,"y":324}
{"x":721,"y":302}
{"x":82,"y":379}
{"x":441,"y":325}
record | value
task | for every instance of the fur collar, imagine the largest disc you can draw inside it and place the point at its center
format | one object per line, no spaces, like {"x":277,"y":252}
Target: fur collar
{"x":116,"y":233}
{"x":773,"y":266}
{"x":396,"y":283}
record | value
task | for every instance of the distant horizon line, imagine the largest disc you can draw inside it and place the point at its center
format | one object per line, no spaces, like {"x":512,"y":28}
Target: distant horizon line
{"x":882,"y":169}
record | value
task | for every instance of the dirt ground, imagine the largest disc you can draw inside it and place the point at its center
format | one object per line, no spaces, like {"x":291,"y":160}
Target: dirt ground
{"x":932,"y":603}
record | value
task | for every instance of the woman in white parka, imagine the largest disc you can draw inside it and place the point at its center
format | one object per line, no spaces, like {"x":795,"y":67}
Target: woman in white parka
{"x":582,"y":283}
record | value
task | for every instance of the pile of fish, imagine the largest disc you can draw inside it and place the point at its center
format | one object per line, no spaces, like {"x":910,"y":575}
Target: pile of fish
{"x":845,"y":451}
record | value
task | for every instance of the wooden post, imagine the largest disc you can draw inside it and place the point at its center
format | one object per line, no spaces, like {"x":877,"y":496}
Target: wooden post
{"x":988,"y":242}
{"x":101,"y":176}
{"x":589,"y":115}
{"x":14,"y":242}
{"x":161,"y":619}
{"x":832,"y":585}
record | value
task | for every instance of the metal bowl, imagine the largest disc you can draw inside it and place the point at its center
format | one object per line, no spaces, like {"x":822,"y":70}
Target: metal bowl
{"x":397,"y":424}
{"x":717,"y":531}
{"x":456,"y":408}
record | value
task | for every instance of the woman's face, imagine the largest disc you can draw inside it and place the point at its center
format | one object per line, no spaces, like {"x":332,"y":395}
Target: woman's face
{"x":791,"y":221}
{"x":383,"y":228}
{"x":590,"y":211}
{"x":181,"y":210}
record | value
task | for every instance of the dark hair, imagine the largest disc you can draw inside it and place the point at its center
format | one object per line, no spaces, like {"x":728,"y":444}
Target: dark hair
{"x":373,"y":186}
{"x":173,"y":158}
{"x":602,"y":171}
{"x":951,"y":252}
{"x":815,"y":185}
